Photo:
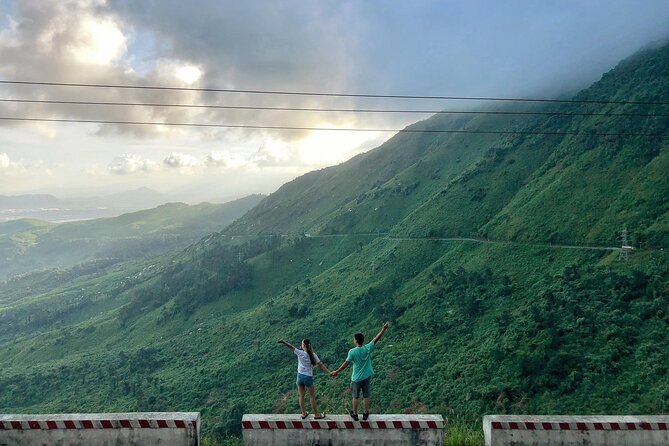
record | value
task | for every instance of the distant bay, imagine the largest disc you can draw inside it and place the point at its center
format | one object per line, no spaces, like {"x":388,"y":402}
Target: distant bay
{"x":62,"y":215}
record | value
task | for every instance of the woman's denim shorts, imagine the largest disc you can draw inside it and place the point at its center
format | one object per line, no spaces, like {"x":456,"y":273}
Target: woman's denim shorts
{"x":305,"y":380}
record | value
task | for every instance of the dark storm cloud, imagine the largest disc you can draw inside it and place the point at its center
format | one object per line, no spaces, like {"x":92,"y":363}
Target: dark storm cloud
{"x":273,"y":44}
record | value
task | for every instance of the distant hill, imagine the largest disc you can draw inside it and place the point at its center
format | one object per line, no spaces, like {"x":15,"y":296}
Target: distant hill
{"x":29,"y":201}
{"x":50,"y":208}
{"x":141,"y":198}
{"x":27,"y":245}
{"x":496,"y":258}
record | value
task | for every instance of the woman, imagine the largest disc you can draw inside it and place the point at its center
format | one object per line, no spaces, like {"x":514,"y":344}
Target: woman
{"x":306,"y":360}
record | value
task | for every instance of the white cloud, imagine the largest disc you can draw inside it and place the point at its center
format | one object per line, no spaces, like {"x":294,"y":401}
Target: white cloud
{"x":8,"y":36}
{"x":225,"y":159}
{"x":217,"y":159}
{"x":129,"y":164}
{"x":18,"y":167}
{"x":87,"y":41}
{"x":80,"y":34}
{"x":19,"y":176}
{"x":6,"y":162}
{"x":275,"y":153}
{"x":180,"y":160}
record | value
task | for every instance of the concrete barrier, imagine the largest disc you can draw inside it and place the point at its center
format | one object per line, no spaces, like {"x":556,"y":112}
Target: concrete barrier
{"x":560,"y":430}
{"x":101,"y":429}
{"x":259,"y":429}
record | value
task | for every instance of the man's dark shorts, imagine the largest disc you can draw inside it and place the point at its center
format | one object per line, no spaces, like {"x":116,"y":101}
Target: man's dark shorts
{"x":364,"y":387}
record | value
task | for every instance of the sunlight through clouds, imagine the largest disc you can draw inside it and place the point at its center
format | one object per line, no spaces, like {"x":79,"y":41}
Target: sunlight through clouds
{"x":325,"y":148}
{"x":102,"y":41}
{"x":188,"y":74}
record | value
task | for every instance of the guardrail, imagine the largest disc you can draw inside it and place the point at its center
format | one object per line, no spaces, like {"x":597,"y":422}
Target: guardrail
{"x":101,"y":429}
{"x":265,"y":429}
{"x":562,"y":430}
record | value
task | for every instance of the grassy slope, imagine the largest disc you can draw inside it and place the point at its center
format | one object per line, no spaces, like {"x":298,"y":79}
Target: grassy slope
{"x":313,"y":202}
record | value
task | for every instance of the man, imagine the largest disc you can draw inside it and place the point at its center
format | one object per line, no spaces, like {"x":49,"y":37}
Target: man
{"x":361,"y":358}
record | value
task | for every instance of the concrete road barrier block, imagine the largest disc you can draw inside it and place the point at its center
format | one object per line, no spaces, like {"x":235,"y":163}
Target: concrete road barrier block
{"x":262,"y":429}
{"x":562,"y":430}
{"x":101,"y":429}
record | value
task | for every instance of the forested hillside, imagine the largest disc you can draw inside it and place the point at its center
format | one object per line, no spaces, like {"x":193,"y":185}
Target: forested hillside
{"x":494,"y":257}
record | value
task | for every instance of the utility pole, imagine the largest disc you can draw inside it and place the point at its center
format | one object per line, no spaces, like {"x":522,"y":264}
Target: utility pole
{"x":625,"y":247}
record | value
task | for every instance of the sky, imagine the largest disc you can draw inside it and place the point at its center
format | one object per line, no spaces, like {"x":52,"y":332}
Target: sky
{"x":525,"y":48}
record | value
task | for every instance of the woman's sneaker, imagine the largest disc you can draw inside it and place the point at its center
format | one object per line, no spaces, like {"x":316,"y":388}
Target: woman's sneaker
{"x":365,"y":416}
{"x":354,"y":416}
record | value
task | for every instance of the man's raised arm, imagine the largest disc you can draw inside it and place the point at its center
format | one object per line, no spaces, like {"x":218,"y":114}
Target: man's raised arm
{"x":383,"y":329}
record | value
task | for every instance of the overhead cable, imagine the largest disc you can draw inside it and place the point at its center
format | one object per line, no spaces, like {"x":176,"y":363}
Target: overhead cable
{"x":328,"y":94}
{"x":336,"y":110}
{"x":277,"y":127}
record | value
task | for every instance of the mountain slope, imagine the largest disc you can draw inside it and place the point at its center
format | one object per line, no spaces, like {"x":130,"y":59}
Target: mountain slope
{"x":462,"y":182}
{"x":509,"y":321}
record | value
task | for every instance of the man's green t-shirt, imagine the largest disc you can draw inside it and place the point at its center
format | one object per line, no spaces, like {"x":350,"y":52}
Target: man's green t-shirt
{"x":361,"y":359}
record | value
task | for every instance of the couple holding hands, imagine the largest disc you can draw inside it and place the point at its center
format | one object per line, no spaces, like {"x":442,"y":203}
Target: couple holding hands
{"x":360,"y":357}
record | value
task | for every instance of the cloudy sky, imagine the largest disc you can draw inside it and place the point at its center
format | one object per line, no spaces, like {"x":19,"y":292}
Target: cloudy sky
{"x":424,"y":47}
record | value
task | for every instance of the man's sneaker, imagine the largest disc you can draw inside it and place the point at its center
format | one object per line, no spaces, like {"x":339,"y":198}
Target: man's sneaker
{"x":354,"y":416}
{"x":365,"y":415}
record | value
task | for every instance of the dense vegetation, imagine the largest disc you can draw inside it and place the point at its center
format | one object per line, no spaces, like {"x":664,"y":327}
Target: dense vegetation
{"x":461,"y":241}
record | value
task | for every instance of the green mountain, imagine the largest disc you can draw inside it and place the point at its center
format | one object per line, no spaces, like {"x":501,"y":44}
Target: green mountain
{"x":29,"y":245}
{"x":494,"y":257}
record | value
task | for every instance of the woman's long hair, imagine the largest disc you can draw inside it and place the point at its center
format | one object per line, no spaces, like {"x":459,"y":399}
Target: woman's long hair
{"x":310,"y":351}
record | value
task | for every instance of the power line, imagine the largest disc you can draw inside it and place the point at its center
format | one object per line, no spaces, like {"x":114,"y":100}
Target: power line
{"x":280,"y":127}
{"x":324,"y":94}
{"x":338,"y":110}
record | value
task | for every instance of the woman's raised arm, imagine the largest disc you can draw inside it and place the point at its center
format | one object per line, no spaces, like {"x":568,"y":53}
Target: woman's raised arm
{"x":281,"y":341}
